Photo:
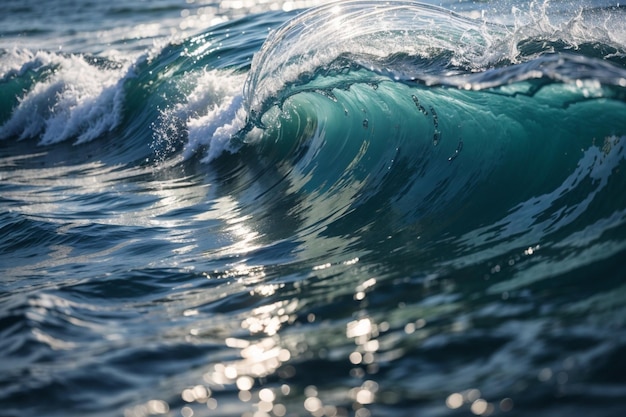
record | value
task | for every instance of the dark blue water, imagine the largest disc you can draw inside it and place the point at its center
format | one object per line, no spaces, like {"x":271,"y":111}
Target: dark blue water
{"x":299,"y":208}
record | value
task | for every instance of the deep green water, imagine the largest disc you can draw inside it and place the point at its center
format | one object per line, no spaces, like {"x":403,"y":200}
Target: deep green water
{"x":365,"y":209}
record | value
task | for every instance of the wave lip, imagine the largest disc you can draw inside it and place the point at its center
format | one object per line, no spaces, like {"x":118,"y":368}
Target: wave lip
{"x":416,"y":43}
{"x":316,"y":40}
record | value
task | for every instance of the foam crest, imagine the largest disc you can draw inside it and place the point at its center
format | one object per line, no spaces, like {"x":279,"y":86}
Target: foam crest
{"x":541,"y":27}
{"x":211,"y":115}
{"x":70,"y":99}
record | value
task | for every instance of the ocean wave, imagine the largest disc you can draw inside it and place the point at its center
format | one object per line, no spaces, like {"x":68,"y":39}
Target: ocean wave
{"x":54,"y":97}
{"x":405,"y":108}
{"x":380,"y":116}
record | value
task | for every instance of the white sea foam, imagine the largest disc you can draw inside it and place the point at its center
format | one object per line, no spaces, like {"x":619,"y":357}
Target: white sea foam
{"x":574,"y":26}
{"x":72,"y":99}
{"x":212,"y":114}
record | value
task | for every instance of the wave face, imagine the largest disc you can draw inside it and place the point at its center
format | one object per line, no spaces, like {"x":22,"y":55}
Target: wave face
{"x":477,"y":152}
{"x":374,"y":208}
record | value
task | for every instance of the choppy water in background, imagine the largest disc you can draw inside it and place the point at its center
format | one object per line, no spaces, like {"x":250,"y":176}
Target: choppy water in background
{"x":361,"y":209}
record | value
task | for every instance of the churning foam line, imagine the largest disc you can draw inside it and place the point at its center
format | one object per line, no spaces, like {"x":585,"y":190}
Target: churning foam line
{"x":70,"y":99}
{"x":212,"y":114}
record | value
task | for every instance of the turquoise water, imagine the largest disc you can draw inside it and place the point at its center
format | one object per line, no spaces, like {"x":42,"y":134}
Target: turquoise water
{"x":299,"y":208}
